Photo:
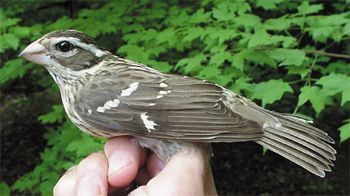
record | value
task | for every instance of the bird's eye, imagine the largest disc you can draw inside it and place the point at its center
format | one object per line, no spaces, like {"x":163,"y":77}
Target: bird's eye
{"x":64,"y":46}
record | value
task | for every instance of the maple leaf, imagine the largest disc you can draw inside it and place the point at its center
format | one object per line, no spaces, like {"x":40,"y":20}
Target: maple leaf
{"x":345,"y":131}
{"x":271,"y":91}
{"x":315,"y":96}
{"x":336,"y":83}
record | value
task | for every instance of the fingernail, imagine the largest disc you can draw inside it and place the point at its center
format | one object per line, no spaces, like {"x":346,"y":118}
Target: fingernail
{"x":117,"y":161}
{"x":88,"y":185}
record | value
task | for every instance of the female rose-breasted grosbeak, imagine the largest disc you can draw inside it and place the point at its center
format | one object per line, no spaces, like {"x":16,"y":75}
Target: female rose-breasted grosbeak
{"x":105,"y":95}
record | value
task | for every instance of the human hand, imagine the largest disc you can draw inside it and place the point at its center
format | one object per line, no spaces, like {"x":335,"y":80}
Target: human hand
{"x":124,"y":162}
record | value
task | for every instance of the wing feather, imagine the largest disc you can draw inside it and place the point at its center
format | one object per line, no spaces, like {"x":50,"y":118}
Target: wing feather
{"x":176,"y":107}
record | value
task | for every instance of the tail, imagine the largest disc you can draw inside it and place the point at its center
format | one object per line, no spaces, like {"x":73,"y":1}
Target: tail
{"x":299,"y":142}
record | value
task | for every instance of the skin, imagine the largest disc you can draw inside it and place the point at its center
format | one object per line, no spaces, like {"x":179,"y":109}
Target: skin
{"x":123,"y":162}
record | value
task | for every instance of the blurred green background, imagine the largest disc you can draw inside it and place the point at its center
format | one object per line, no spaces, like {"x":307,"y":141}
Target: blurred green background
{"x":289,"y":56}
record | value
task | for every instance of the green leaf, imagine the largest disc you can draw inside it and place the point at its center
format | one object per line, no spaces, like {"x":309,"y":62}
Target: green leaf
{"x":178,"y":17}
{"x":11,"y":40}
{"x":240,"y":7}
{"x":345,"y":96}
{"x":191,"y":65}
{"x":289,"y":42}
{"x":314,"y":95}
{"x":336,"y":83}
{"x":271,"y":91}
{"x":167,"y":36}
{"x":221,"y":34}
{"x":194,"y":33}
{"x":321,"y":33}
{"x":300,"y":70}
{"x":200,"y":16}
{"x":209,"y":72}
{"x":85,"y":145}
{"x":226,"y":76}
{"x":305,"y":8}
{"x":8,"y":22}
{"x":259,"y":57}
{"x":334,"y":19}
{"x":222,"y":12}
{"x":288,"y":56}
{"x":328,"y":27}
{"x":161,"y":66}
{"x":56,"y":115}
{"x":247,"y":20}
{"x":134,"y":52}
{"x":243,"y":84}
{"x":13,"y":69}
{"x":4,"y":189}
{"x":45,"y":187}
{"x":346,"y":29}
{"x":20,"y":31}
{"x":344,"y":131}
{"x":259,"y":38}
{"x":219,"y":58}
{"x":268,"y":4}
{"x":277,"y":23}
{"x":336,"y":67}
{"x":238,"y":60}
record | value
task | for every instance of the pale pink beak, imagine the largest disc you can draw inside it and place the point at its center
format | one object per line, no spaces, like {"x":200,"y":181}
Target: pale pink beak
{"x":36,"y":53}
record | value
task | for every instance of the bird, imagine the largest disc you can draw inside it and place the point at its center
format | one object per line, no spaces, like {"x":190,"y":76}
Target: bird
{"x":106,"y":96}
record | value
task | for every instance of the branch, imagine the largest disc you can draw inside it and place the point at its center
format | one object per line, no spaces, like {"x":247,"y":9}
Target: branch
{"x":328,"y":54}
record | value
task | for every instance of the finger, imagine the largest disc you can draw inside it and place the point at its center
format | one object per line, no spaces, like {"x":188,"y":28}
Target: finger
{"x":92,"y":175}
{"x":124,"y":158}
{"x":186,"y":173}
{"x":142,"y":176}
{"x":154,"y":165}
{"x":209,"y":184}
{"x":66,"y":184}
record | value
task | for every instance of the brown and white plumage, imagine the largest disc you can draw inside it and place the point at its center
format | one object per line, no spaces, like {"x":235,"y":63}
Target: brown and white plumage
{"x":106,"y":95}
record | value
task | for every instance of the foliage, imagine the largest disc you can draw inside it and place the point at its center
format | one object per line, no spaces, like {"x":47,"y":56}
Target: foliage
{"x":345,"y":131}
{"x":265,"y":50}
{"x":4,"y":189}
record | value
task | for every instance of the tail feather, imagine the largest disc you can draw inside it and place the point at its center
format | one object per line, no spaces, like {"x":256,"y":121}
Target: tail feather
{"x":301,"y":143}
{"x":302,"y":151}
{"x":311,"y":139}
{"x":271,"y":146}
{"x":326,"y":154}
{"x":301,"y":125}
{"x":288,"y":136}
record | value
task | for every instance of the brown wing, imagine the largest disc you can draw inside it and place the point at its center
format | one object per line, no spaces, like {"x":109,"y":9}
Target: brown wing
{"x":163,"y":106}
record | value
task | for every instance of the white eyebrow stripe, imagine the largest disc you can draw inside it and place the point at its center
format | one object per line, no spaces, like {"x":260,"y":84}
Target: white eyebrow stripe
{"x":78,"y":42}
{"x":132,"y":87}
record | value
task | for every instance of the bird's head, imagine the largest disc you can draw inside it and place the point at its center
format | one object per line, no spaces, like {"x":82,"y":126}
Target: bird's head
{"x":65,"y":51}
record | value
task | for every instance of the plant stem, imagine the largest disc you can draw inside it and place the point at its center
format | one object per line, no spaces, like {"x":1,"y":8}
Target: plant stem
{"x":328,"y":54}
